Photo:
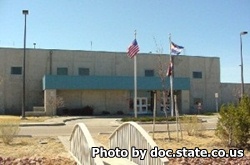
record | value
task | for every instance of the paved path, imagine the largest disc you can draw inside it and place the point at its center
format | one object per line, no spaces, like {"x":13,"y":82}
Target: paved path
{"x":95,"y":125}
{"x":63,"y":126}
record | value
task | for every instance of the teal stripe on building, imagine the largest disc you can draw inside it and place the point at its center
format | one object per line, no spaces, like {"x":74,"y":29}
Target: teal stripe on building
{"x":110,"y":83}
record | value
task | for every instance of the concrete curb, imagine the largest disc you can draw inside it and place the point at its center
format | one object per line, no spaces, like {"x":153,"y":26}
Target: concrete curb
{"x":207,"y":129}
{"x":60,"y":122}
{"x":42,"y":124}
{"x":160,"y":122}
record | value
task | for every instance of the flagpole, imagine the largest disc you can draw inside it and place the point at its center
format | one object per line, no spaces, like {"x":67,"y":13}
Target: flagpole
{"x":171,"y":79}
{"x":135,"y":83}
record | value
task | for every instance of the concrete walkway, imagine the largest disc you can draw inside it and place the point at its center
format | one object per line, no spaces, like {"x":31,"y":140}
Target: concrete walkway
{"x":96,"y":125}
{"x":54,"y":121}
{"x":59,"y":121}
{"x":93,"y":125}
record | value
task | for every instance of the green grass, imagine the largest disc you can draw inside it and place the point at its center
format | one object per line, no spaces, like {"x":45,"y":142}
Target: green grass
{"x":147,"y":119}
{"x":209,"y":113}
{"x":159,"y":119}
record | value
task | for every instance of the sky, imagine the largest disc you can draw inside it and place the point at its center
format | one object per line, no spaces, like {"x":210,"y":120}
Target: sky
{"x":209,"y":28}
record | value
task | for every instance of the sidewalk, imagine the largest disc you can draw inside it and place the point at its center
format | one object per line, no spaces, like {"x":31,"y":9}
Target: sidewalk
{"x":59,"y":121}
{"x":55,"y":121}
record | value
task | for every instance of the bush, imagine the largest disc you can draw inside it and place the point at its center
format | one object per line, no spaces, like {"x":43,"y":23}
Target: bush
{"x":120,"y":113}
{"x":8,"y":129}
{"x":62,"y":111}
{"x":208,"y":113}
{"x":234,"y":123}
{"x":105,"y":113}
{"x":85,"y":111}
{"x":88,"y":110}
{"x":193,"y":125}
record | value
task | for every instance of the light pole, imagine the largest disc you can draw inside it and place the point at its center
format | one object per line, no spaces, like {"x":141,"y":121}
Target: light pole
{"x":241,"y":65}
{"x":25,"y":12}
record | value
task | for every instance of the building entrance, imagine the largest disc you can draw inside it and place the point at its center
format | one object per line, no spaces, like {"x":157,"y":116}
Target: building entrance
{"x":142,"y":104}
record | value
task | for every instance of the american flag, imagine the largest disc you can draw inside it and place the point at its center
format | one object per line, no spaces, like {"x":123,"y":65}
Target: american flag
{"x":133,"y":49}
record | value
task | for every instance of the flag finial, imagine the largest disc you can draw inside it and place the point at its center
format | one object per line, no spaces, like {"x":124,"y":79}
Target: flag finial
{"x":135,"y":34}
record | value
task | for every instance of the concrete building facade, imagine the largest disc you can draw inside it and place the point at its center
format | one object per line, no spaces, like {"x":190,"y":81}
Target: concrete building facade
{"x":104,"y":81}
{"x":231,"y":92}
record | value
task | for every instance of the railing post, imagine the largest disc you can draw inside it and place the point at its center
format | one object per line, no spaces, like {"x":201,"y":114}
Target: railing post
{"x":130,"y":129}
{"x":81,"y":137}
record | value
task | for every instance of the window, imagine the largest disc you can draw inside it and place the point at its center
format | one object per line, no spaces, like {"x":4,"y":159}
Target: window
{"x":197,"y":74}
{"x":149,"y":73}
{"x":83,"y":71}
{"x":16,"y":70}
{"x":62,"y":71}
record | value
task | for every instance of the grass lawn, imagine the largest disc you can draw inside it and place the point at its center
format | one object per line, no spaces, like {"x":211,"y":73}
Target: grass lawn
{"x":207,"y":140}
{"x":28,"y":119}
{"x":30,"y":146}
{"x":46,"y":150}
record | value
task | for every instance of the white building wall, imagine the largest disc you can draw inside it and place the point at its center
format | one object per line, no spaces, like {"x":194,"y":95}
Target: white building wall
{"x":40,"y":62}
{"x":101,"y":100}
{"x":204,"y":88}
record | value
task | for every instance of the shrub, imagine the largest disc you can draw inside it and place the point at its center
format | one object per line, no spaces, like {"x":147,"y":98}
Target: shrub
{"x":193,"y":125}
{"x":62,"y":111}
{"x":233,"y":126}
{"x":120,"y":113}
{"x":208,"y":113}
{"x":85,"y":111}
{"x":9,"y":129}
{"x":105,"y":113}
{"x":88,"y":110}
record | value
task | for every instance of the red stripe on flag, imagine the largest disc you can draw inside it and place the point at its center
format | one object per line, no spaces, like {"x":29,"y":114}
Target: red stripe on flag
{"x":170,"y":69}
{"x":133,"y":49}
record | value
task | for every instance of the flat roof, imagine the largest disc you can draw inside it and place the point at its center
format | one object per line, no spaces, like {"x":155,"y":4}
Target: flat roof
{"x":108,"y":52}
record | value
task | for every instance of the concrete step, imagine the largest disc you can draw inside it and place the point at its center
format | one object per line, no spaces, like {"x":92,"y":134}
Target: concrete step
{"x":35,"y":113}
{"x":39,"y":109}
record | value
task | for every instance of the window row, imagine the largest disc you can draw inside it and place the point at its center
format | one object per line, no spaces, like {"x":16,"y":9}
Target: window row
{"x":60,"y":71}
{"x":86,"y":72}
{"x":151,"y":73}
{"x":64,"y":71}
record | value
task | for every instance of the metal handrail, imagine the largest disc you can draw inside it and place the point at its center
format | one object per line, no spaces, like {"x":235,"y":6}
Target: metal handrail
{"x":81,"y":143}
{"x":130,"y":134}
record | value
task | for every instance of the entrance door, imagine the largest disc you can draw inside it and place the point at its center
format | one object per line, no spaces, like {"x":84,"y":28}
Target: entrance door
{"x":142,"y":104}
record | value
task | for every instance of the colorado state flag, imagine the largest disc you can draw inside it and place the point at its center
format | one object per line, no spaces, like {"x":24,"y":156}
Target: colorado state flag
{"x":176,"y":49}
